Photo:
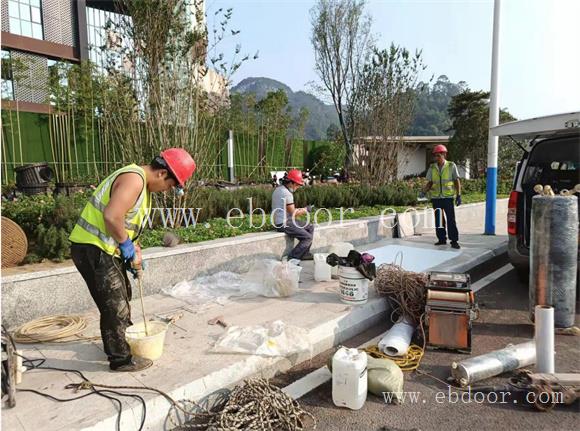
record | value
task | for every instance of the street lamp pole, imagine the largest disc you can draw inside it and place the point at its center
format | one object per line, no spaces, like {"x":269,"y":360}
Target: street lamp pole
{"x":492,"y":142}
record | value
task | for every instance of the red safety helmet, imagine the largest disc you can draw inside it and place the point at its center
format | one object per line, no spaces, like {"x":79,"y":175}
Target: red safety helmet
{"x":439,"y":149}
{"x":180,"y":163}
{"x":295,"y":176}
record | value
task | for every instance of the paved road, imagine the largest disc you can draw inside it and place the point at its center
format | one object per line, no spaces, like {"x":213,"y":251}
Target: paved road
{"x":504,"y":320}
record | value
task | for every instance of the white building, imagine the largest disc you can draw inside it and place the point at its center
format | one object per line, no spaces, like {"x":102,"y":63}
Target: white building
{"x":413,"y":153}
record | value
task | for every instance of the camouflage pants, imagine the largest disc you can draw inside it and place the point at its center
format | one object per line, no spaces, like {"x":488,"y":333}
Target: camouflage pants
{"x":110,"y":288}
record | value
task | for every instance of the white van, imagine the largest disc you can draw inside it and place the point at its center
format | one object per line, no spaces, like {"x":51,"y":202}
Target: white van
{"x":551,"y":156}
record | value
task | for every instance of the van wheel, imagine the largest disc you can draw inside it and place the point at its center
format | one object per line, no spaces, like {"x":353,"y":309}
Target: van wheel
{"x":523,"y":275}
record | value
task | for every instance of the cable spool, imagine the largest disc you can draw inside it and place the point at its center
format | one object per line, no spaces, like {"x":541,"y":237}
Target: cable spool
{"x":14,"y":243}
{"x":553,"y":256}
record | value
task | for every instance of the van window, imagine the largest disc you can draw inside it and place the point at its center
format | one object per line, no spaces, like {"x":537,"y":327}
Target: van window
{"x":552,"y":160}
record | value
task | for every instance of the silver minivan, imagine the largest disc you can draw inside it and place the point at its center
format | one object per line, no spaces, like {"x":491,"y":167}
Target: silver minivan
{"x":551,"y":156}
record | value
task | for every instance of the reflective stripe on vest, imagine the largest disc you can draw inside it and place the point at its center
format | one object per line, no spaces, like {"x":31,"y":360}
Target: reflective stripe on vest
{"x":444,"y":182}
{"x":91,"y":228}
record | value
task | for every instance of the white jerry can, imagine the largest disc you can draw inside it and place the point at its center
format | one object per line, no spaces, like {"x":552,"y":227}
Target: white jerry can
{"x":321,"y":268}
{"x":349,"y":378}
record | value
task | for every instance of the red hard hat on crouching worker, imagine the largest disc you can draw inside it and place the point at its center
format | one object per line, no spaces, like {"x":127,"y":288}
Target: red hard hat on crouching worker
{"x":180,"y":163}
{"x":439,"y":149}
{"x":295,"y":176}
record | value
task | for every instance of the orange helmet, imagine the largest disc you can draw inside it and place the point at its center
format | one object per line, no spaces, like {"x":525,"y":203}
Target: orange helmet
{"x":180,"y":163}
{"x":439,"y":149}
{"x":295,"y":176}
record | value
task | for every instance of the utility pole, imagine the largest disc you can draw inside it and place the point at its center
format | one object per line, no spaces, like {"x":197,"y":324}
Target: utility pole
{"x":231,"y":173}
{"x":492,"y":142}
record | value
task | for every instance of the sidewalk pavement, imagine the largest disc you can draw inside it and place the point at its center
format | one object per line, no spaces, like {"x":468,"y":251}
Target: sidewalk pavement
{"x":187,"y":369}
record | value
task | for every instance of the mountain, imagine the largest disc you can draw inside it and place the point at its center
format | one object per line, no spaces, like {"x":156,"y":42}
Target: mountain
{"x":321,"y":115}
{"x":431,"y":116}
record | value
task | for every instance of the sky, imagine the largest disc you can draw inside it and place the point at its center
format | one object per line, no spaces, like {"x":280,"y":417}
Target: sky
{"x":539,"y":56}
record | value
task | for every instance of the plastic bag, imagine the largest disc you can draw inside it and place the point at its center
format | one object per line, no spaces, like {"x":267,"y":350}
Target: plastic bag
{"x":272,"y":278}
{"x":272,"y":339}
{"x":384,"y":376}
{"x":267,"y":277}
{"x":216,"y":288}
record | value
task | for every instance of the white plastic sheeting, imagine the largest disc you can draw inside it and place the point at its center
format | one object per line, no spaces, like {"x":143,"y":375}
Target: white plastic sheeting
{"x":271,"y":339}
{"x":414,"y":258}
{"x":268,"y":277}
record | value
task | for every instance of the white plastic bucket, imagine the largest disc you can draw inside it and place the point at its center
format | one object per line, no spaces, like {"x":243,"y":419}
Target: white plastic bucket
{"x":349,"y":378}
{"x":321,"y":268}
{"x":341,"y":249}
{"x":353,"y":286}
{"x":146,"y":346}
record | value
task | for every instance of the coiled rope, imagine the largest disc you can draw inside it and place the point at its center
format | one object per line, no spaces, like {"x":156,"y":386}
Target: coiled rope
{"x":257,"y":405}
{"x":408,"y":362}
{"x":406,"y":289}
{"x":53,"y":329}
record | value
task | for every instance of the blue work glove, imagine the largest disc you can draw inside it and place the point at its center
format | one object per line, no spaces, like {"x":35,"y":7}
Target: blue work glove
{"x":127,"y":249}
{"x":310,"y":208}
{"x":458,"y":200}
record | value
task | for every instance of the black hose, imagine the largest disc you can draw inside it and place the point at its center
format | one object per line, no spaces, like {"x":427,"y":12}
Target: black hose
{"x":37,"y":364}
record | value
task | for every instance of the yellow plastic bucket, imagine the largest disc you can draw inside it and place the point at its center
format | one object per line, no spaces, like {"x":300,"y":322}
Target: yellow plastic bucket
{"x":146,"y":346}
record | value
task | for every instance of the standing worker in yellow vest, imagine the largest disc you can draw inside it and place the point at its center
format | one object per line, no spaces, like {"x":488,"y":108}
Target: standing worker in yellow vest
{"x":443,"y":177}
{"x":104,"y":243}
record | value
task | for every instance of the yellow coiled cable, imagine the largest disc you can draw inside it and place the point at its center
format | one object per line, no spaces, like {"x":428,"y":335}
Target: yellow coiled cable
{"x":409,"y":362}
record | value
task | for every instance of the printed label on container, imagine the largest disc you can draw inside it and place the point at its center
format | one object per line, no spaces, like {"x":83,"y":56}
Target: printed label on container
{"x":353,"y":290}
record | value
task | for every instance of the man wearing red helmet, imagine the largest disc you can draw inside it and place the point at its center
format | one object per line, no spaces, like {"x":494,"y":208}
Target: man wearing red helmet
{"x":444,"y":176}
{"x":284,"y":214}
{"x":104,"y":243}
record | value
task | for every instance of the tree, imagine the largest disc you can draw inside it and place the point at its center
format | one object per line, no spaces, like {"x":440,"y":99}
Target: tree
{"x":383,"y":111}
{"x":469,"y":113}
{"x":340,"y":38}
{"x":333,"y":132}
{"x":431,"y":116}
{"x":274,"y":116}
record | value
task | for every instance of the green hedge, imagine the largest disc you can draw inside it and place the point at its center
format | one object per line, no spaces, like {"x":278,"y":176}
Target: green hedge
{"x":48,"y":221}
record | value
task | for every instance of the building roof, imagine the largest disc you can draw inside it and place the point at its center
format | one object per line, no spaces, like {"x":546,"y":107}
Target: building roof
{"x":426,"y":140}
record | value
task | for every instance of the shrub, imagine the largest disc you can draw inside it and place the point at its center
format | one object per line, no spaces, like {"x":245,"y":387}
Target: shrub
{"x":47,"y":221}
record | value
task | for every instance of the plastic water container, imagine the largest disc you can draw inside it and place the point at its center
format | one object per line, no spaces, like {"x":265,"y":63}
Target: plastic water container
{"x":147,"y":346}
{"x":340,"y":249}
{"x":352,"y":285}
{"x":349,"y":378}
{"x":321,"y":268}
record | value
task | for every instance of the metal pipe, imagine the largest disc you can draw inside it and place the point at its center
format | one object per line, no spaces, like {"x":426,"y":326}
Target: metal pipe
{"x":491,"y":364}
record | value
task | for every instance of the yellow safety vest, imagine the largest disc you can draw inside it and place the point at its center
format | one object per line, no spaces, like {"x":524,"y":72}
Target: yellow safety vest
{"x":90,"y":227}
{"x":444,"y":182}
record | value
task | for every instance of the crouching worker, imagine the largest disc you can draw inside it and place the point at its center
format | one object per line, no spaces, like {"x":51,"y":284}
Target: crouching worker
{"x":285,"y":213}
{"x":104,"y":243}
